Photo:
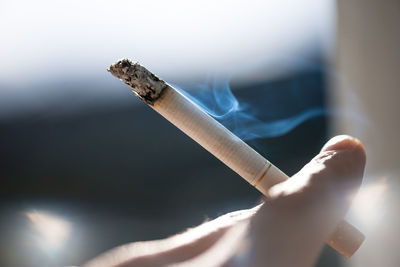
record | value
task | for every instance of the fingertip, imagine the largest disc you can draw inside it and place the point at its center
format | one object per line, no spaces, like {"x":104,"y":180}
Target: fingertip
{"x":343,"y":142}
{"x":347,"y":143}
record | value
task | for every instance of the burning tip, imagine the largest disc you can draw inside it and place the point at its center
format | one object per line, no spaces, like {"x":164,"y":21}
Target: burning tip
{"x":119,"y":65}
{"x":141,"y":81}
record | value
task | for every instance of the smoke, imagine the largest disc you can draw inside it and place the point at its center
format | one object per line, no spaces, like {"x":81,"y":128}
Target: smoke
{"x":272,"y":109}
{"x":260,"y":112}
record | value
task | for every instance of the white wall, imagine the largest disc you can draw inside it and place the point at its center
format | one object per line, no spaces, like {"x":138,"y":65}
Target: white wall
{"x":368,"y":63}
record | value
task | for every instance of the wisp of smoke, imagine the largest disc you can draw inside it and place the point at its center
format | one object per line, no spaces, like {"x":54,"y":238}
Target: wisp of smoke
{"x":272,"y":109}
{"x":273,"y":117}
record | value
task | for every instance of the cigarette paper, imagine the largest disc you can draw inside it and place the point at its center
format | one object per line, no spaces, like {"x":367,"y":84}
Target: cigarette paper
{"x":218,"y":140}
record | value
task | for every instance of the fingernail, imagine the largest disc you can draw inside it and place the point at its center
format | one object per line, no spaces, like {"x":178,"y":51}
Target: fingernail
{"x":349,"y":160}
{"x":342,"y":142}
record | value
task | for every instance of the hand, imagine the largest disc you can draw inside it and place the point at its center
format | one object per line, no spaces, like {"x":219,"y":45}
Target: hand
{"x":289,"y":229}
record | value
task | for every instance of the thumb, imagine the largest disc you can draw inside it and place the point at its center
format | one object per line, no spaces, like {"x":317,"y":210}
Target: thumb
{"x":290,"y":229}
{"x":330,"y":178}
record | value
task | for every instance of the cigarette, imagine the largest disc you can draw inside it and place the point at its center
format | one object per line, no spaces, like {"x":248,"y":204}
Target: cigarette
{"x":218,"y":140}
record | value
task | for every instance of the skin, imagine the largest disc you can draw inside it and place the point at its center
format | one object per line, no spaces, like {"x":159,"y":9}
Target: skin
{"x":288,"y":229}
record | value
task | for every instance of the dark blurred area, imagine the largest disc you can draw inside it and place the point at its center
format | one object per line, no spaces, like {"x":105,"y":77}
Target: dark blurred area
{"x":125,"y":174}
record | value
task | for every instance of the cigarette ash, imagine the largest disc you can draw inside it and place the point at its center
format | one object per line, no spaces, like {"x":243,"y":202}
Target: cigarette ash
{"x":142,"y":82}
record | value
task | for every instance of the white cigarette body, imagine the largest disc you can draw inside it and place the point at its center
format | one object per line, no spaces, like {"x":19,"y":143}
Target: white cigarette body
{"x":218,"y":140}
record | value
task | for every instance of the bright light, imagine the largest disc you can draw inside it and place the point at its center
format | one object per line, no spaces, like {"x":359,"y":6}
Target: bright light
{"x":46,"y":43}
{"x":368,"y":206}
{"x":52,"y":231}
{"x":44,"y":38}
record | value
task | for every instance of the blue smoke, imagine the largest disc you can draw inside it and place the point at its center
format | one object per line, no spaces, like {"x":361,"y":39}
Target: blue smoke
{"x":273,"y":109}
{"x":265,"y":111}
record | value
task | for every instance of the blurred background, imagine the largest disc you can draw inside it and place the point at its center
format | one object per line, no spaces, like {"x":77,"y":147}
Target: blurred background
{"x":85,"y":166}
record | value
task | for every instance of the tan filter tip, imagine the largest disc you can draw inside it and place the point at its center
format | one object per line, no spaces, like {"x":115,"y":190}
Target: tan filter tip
{"x":346,"y":239}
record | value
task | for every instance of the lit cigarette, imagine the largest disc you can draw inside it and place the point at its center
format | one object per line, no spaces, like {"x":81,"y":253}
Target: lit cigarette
{"x":218,"y":140}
